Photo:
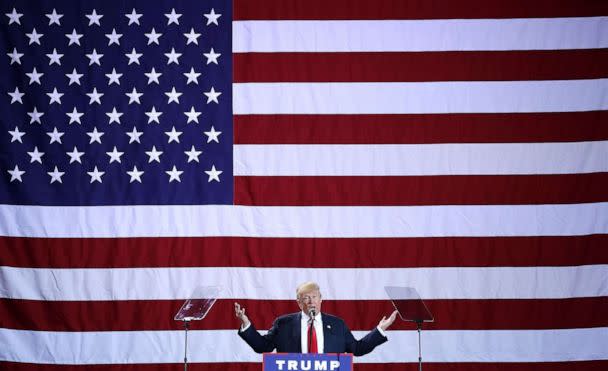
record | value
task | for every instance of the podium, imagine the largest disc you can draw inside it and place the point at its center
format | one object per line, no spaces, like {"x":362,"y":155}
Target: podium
{"x":307,"y":362}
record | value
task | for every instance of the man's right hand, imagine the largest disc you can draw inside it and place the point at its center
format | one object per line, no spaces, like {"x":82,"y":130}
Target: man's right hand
{"x":240,"y":314}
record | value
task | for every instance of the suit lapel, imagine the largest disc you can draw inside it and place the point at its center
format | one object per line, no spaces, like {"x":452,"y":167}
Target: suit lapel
{"x":296,"y":331}
{"x":328,"y":334}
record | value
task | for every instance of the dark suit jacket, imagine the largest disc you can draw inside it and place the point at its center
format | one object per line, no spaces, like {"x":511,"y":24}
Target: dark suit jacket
{"x":285,"y":336}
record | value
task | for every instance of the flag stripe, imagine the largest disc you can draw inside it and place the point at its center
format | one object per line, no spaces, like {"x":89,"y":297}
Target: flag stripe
{"x":421,"y":190}
{"x":431,"y":66}
{"x":421,"y":159}
{"x":108,"y":347}
{"x":255,"y":366}
{"x":278,"y":283}
{"x":420,"y":129}
{"x":421,"y":97}
{"x":318,"y":221}
{"x":413,"y":9}
{"x":451,"y":314}
{"x":424,"y":35}
{"x":307,"y":252}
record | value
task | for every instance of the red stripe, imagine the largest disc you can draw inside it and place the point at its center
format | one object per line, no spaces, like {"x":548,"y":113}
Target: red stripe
{"x":303,"y":252}
{"x":414,"y":9}
{"x":477,"y":366}
{"x":427,"y":66}
{"x":421,"y":190}
{"x":421,"y":129}
{"x":359,"y":315}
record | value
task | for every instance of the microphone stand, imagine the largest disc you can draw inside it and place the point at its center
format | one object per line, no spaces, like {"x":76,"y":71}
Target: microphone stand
{"x":419,"y":326}
{"x":310,"y":329}
{"x":186,"y":323}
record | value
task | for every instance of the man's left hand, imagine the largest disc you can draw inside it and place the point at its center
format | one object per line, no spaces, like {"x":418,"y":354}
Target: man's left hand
{"x":385,"y":323}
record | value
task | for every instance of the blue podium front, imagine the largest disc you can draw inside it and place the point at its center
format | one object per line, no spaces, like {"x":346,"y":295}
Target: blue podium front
{"x":308,"y":362}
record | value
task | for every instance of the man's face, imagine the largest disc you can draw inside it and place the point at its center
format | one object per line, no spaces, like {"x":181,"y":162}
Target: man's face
{"x":310,"y":300}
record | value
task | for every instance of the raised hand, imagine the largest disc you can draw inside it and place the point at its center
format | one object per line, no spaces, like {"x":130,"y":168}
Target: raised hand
{"x":240,"y":314}
{"x":385,"y":323}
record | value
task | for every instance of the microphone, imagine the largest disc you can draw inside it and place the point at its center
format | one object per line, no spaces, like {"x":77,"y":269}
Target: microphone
{"x":311,"y":313}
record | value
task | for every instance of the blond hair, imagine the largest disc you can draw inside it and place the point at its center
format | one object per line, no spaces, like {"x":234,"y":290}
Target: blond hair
{"x":307,"y":287}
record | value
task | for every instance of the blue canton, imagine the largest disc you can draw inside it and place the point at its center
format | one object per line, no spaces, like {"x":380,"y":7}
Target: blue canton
{"x":116,"y":102}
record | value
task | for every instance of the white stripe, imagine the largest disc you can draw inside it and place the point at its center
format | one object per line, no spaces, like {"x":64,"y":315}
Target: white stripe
{"x":278,"y":283}
{"x":338,"y":221}
{"x":129,"y":347}
{"x":421,"y":159}
{"x":421,"y":97}
{"x":420,"y":35}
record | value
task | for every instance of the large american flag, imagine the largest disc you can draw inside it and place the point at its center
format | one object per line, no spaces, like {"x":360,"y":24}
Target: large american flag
{"x":149,"y":147}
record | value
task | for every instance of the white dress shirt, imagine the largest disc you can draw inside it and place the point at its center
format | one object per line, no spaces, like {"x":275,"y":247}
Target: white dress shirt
{"x":318,"y":323}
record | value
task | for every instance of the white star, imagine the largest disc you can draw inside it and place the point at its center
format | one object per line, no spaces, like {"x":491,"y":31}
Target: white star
{"x":173,"y":56}
{"x":135,"y":175}
{"x":16,"y":173}
{"x":114,"y":77}
{"x":114,"y":116}
{"x":74,"y":116}
{"x":74,"y":37}
{"x":192,"y":37}
{"x":193,"y":154}
{"x":192,"y":115}
{"x":192,"y":76}
{"x":113,"y":38}
{"x":153,"y":76}
{"x":212,"y":56}
{"x":134,"y":135}
{"x":54,"y":57}
{"x":56,"y":175}
{"x":134,"y":96}
{"x":55,"y":96}
{"x":133,"y":17}
{"x":212,"y":17}
{"x":213,"y":135}
{"x":16,"y":135}
{"x":75,"y":155}
{"x":153,"y":37}
{"x":154,"y":155}
{"x":134,"y":56}
{"x":16,"y":96}
{"x":16,"y":56}
{"x":94,"y":18}
{"x":35,"y":116}
{"x":36,"y":156}
{"x":95,"y":97}
{"x":35,"y":76}
{"x":115,"y":155}
{"x":173,"y":96}
{"x":212,"y":96}
{"x":153,"y":115}
{"x":13,"y":17}
{"x":94,"y":58}
{"x":95,"y":175}
{"x":173,"y":135}
{"x":95,"y":136}
{"x":174,"y":174}
{"x":213,"y":174}
{"x":173,"y":17}
{"x":55,"y":136}
{"x":54,"y":18}
{"x":34,"y":37}
{"x":74,"y":77}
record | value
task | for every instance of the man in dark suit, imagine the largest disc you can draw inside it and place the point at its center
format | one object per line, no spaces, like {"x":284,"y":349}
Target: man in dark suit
{"x":310,"y":330}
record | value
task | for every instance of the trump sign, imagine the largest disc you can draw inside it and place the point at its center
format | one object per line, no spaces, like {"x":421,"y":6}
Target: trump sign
{"x":307,"y":362}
